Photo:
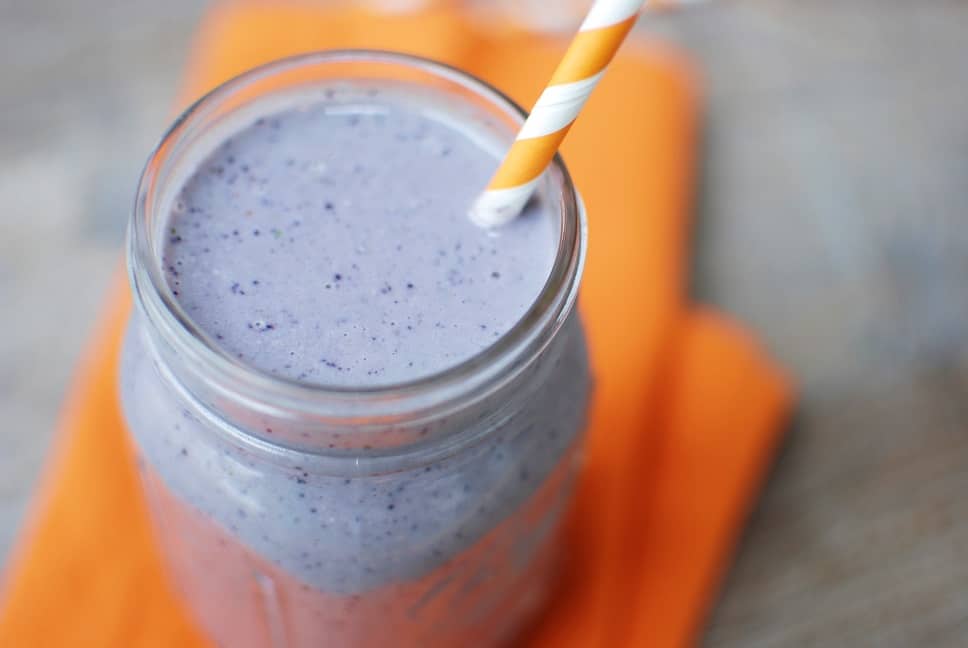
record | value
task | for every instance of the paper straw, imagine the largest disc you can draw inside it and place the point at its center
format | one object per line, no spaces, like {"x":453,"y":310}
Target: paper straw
{"x":605,"y":27}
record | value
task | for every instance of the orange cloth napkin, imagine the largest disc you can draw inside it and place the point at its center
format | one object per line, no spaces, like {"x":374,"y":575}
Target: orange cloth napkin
{"x":687,"y":409}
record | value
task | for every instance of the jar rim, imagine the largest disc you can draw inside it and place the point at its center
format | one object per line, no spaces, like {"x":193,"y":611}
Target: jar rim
{"x":447,"y":389}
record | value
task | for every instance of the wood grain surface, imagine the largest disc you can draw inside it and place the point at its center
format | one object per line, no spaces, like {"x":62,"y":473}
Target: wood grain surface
{"x":832,"y":221}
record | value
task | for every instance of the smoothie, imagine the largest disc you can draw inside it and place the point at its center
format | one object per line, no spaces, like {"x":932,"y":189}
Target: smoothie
{"x":326,"y":242}
{"x":331,"y":244}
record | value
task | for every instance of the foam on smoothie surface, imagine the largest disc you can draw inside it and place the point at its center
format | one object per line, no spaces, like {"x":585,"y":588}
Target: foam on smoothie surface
{"x":330,"y":244}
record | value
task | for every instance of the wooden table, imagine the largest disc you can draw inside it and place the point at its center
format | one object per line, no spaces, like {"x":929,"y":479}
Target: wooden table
{"x":832,"y":221}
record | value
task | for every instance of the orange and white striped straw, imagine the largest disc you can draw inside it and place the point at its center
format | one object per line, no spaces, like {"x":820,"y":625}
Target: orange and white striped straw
{"x":605,"y":27}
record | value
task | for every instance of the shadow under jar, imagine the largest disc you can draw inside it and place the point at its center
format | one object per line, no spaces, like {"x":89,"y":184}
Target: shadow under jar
{"x":357,"y":416}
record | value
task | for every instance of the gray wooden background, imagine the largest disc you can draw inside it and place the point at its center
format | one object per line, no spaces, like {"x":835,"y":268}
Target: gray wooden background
{"x":833,"y":221}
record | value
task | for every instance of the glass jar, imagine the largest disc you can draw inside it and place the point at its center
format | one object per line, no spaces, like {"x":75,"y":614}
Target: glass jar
{"x":296,"y":515}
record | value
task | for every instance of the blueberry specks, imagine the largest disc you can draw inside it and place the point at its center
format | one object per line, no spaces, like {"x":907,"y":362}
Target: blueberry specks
{"x":332,"y":364}
{"x":372,"y":278}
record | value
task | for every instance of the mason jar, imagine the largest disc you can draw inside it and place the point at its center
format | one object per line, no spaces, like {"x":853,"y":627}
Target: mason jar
{"x":413,"y":514}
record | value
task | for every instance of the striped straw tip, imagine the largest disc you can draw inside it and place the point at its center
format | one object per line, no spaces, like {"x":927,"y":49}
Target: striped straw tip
{"x":496,"y":207}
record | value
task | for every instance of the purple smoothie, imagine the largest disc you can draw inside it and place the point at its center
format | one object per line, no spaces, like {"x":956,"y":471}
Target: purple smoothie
{"x":331,"y":245}
{"x":327,"y":242}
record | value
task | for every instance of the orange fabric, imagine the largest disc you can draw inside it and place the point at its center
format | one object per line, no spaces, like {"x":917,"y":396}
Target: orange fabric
{"x":687,"y":410}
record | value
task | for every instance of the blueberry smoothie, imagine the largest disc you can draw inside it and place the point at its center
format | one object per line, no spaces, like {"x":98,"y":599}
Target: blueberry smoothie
{"x":320,"y":242}
{"x":330,"y":244}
